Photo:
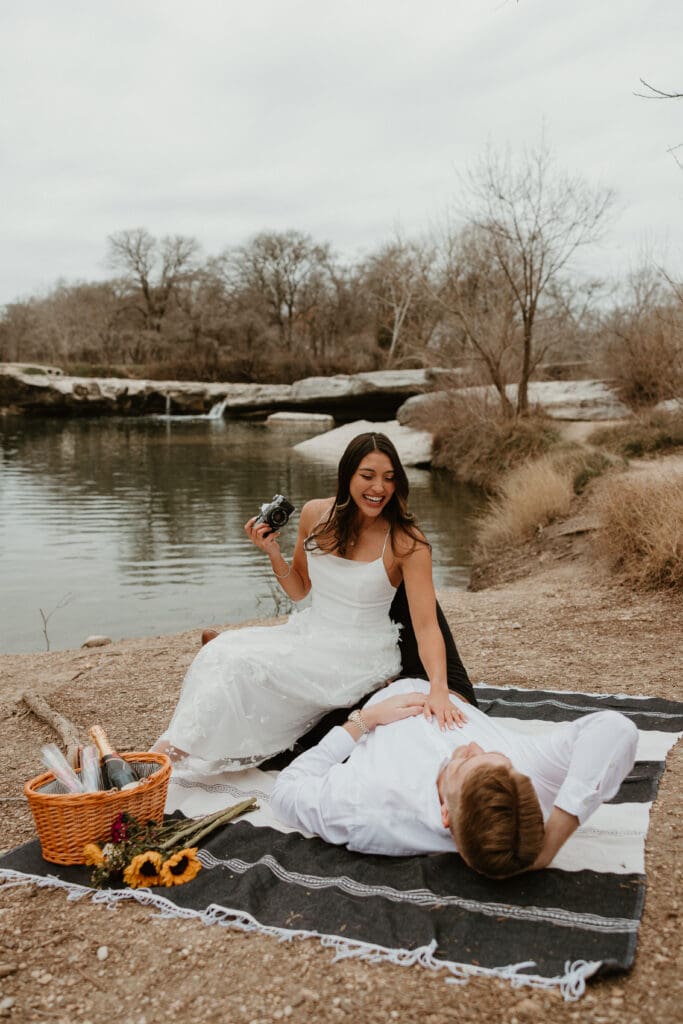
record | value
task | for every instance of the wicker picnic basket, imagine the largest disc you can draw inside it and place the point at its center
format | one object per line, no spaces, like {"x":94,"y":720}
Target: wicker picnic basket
{"x":67,"y":821}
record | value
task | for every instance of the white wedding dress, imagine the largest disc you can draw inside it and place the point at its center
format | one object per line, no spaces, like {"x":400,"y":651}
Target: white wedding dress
{"x":252,"y":692}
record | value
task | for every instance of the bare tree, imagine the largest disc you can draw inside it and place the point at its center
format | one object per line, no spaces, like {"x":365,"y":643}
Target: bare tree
{"x":534,"y":218}
{"x":282,"y":271}
{"x":653,"y":93}
{"x":153,"y":268}
{"x":481,"y":306}
{"x":398,"y":278}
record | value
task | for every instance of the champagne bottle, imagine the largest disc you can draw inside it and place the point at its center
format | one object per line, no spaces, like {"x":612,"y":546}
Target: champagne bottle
{"x":118,"y":772}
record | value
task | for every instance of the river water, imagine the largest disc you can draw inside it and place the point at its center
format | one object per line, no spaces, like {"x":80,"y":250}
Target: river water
{"x":133,"y":527}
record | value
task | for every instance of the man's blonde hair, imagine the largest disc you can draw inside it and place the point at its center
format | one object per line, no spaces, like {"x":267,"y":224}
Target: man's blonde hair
{"x":496,"y":821}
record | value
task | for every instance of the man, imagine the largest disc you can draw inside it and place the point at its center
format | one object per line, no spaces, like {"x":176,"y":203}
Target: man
{"x":390,"y":782}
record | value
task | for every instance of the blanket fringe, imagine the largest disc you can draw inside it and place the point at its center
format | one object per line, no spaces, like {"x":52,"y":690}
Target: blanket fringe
{"x":572,"y":984}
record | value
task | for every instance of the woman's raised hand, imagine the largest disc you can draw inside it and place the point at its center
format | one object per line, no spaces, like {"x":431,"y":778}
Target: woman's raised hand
{"x":262,"y":536}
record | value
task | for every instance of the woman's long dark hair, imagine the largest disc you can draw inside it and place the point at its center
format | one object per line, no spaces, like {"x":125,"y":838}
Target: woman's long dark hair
{"x":339,"y":528}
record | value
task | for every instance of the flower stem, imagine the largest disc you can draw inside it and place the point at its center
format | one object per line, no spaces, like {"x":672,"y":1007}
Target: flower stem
{"x":197,"y":830}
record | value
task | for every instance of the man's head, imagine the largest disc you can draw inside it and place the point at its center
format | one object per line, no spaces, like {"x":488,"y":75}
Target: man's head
{"x":491,"y":810}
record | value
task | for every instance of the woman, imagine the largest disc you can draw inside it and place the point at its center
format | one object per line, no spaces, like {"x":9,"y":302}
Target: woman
{"x":251,"y":693}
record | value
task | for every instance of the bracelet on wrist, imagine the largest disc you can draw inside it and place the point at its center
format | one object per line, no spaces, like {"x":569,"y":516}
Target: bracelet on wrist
{"x":284,"y":575}
{"x":357,"y":719}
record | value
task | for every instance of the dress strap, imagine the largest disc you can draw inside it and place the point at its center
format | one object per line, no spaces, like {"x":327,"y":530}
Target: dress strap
{"x":386,"y":538}
{"x":319,"y":521}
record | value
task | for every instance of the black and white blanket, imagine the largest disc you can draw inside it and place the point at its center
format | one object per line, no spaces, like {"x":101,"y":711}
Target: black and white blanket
{"x":558,"y":927}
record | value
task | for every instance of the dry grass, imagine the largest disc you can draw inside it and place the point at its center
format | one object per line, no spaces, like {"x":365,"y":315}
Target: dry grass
{"x":642,"y":435}
{"x":642,"y":528}
{"x":475,"y":443}
{"x":528,"y":498}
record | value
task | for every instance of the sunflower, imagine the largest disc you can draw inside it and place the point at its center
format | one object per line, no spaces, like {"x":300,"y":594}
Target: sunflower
{"x":144,"y":869}
{"x":180,"y":867}
{"x":92,"y":855}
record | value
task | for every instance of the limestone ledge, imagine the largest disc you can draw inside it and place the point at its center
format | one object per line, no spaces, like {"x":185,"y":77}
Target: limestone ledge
{"x":559,"y":399}
{"x":381,"y":395}
{"x":346,"y":397}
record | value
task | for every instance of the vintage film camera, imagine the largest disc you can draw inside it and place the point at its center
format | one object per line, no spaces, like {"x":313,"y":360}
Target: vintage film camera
{"x":275,"y":513}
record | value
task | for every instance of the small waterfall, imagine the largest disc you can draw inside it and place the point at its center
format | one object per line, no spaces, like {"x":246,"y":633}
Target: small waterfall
{"x":217,"y":409}
{"x":167,"y":412}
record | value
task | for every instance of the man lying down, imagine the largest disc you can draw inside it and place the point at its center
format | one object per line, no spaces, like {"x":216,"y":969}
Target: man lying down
{"x":389,"y":781}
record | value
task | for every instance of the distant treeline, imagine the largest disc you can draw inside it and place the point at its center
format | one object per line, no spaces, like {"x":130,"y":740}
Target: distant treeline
{"x":492,"y":294}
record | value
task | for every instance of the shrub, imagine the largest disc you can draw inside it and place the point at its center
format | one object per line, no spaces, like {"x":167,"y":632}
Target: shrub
{"x":642,"y":528}
{"x":529,"y":497}
{"x":642,"y":435}
{"x":645,"y":359}
{"x":97,"y":370}
{"x":581,"y":463}
{"x":474,"y":442}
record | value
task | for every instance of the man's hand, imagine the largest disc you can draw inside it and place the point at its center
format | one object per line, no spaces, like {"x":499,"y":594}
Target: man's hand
{"x":448,"y":714}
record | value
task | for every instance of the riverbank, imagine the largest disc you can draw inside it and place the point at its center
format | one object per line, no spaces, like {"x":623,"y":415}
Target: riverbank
{"x":565,"y":624}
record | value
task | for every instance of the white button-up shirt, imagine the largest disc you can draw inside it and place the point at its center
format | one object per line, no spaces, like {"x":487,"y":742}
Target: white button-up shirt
{"x":379,"y":795}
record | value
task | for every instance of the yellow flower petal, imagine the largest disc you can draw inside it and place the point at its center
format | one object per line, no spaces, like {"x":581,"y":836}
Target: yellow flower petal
{"x":180,"y":867}
{"x":92,"y":855}
{"x":143,"y":870}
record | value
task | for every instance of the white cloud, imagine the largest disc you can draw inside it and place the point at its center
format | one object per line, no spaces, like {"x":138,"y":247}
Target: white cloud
{"x":222,"y":119}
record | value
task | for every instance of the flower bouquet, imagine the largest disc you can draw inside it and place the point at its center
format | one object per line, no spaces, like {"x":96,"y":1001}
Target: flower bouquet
{"x":155,"y":853}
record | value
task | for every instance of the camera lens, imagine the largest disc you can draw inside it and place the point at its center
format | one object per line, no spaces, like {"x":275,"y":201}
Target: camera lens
{"x":278,"y":517}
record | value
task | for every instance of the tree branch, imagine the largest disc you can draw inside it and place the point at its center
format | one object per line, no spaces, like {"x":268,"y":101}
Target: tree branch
{"x":65,"y":729}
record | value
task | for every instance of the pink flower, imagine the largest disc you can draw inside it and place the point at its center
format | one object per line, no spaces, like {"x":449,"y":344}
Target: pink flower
{"x":119,"y":828}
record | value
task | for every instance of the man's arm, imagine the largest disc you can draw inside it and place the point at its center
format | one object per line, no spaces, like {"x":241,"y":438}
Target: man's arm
{"x":558,"y":829}
{"x":315,"y":791}
{"x":602,"y":755}
{"x":590,"y":759}
{"x":319,"y":793}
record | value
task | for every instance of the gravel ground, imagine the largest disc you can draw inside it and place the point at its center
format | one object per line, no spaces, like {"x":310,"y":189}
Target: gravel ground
{"x":555,"y":620}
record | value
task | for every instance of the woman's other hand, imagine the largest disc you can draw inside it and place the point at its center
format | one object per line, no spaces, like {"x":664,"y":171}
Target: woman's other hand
{"x":448,"y":714}
{"x":393,"y":709}
{"x":262,"y":536}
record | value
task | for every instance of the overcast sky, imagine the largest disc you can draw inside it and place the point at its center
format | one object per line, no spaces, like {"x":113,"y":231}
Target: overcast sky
{"x":219,"y":119}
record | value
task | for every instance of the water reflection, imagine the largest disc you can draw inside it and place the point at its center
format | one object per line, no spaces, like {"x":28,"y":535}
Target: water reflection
{"x":141,"y":521}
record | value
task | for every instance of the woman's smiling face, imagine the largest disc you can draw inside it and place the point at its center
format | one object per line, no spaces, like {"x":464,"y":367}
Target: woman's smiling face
{"x":372,"y":485}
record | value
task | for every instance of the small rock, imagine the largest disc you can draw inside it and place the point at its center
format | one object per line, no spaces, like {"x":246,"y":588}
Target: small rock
{"x":7,"y":969}
{"x":515,"y":625}
{"x":44,"y":979}
{"x":97,"y":641}
{"x":103,"y":952}
{"x":529,"y":1007}
{"x":7,"y":1003}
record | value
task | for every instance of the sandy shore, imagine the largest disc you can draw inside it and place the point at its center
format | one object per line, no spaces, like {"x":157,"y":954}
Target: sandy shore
{"x":564,"y":624}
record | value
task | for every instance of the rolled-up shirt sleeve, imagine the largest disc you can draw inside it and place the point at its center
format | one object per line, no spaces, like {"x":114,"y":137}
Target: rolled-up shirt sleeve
{"x":317,"y":792}
{"x":599,"y":751}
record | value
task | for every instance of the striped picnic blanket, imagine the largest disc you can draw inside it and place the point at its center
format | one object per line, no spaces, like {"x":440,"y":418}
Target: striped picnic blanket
{"x":554,"y":928}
